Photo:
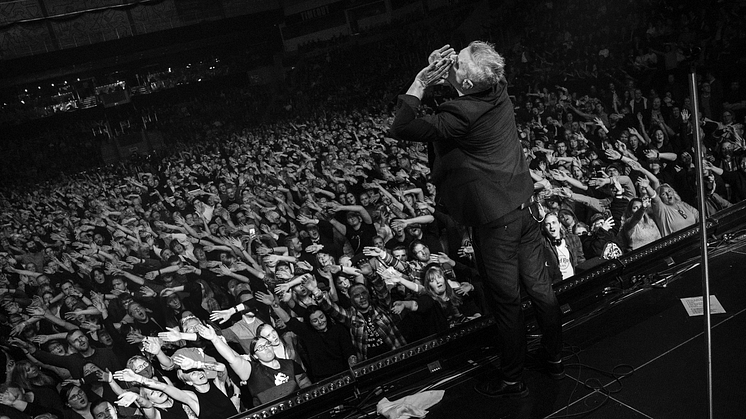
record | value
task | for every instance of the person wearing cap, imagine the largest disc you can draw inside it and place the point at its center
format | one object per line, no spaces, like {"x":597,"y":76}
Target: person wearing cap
{"x":483,"y":180}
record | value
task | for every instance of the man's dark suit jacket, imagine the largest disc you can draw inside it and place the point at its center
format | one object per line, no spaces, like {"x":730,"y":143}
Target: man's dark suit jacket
{"x":478,"y":168}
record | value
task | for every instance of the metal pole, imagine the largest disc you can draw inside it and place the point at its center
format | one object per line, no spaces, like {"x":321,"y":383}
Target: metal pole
{"x":698,"y":149}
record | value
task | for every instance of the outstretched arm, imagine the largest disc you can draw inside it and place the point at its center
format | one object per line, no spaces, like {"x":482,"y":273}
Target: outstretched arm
{"x":241,"y":366}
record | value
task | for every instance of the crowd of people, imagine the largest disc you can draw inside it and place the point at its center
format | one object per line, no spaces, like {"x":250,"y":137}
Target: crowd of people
{"x":253,"y":260}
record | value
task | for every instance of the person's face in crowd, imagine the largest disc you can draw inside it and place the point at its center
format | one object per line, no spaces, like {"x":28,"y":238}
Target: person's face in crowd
{"x":31,"y":370}
{"x":47,"y":298}
{"x":263,"y":350}
{"x":98,"y":276}
{"x":612,"y":171}
{"x":378,"y":242}
{"x":561,"y":148}
{"x":431,"y":189}
{"x":189,"y":219}
{"x":76,"y":399}
{"x":687,"y":103}
{"x":98,"y":239}
{"x":178,"y":248}
{"x":655,"y":167}
{"x":296,"y":244}
{"x":667,"y":195}
{"x":353,"y":219}
{"x":638,"y":94}
{"x":552,"y":226}
{"x":118,"y":284}
{"x":659,"y":136}
{"x":728,"y":117}
{"x":636,"y":205}
{"x":567,"y":220}
{"x":166,"y":254}
{"x":273,"y":216}
{"x":342,"y":282}
{"x":686,"y":159}
{"x":79,"y":341}
{"x":300,"y":291}
{"x":657,"y":103}
{"x":68,"y":288}
{"x":633,"y":142}
{"x":213,"y":229}
{"x":360,"y":298}
{"x":324,"y":259}
{"x":180,"y":204}
{"x":197,"y":377}
{"x":318,"y":321}
{"x":364,"y":199}
{"x":12,"y":307}
{"x":313,"y":233}
{"x":105,"y":338}
{"x":105,"y":411}
{"x":222,"y":188}
{"x":56,"y":348}
{"x":200,"y":254}
{"x":30,"y":267}
{"x":189,"y":322}
{"x":421,"y":252}
{"x":91,"y":368}
{"x":415,"y":231}
{"x":156,"y":397}
{"x":400,"y":254}
{"x":137,"y":312}
{"x":283,"y":272}
{"x":437,"y":282}
{"x":173,"y":302}
{"x":581,"y":230}
{"x":269,"y":333}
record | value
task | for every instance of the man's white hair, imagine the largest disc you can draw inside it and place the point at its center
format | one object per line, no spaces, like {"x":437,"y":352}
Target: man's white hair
{"x":487,"y":67}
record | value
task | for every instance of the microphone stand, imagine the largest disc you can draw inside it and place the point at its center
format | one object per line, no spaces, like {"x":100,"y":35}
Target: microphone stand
{"x":699,"y":157}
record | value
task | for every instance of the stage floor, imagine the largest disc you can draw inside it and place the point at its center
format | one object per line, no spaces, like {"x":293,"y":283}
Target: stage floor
{"x":643,"y":357}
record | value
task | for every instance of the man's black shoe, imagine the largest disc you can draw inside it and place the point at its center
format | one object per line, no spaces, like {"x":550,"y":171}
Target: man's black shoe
{"x":552,"y":365}
{"x":501,"y":389}
{"x":555,"y":369}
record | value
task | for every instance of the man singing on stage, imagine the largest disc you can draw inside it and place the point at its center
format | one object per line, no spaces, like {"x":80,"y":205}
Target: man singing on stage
{"x":483,"y":180}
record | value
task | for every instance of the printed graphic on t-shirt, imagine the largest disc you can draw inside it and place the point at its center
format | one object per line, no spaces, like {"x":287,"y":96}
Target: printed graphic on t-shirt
{"x":281,"y":378}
